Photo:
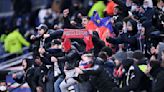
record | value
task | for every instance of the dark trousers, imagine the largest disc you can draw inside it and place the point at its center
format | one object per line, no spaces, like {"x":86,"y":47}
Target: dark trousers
{"x":50,"y":81}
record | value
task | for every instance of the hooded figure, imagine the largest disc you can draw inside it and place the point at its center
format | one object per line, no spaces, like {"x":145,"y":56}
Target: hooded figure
{"x":27,"y":74}
{"x":127,"y":37}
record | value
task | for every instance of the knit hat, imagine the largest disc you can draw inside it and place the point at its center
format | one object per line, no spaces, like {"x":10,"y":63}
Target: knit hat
{"x":138,"y":55}
{"x":120,"y":56}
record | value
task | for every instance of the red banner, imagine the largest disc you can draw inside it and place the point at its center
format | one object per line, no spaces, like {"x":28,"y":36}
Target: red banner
{"x":75,"y":33}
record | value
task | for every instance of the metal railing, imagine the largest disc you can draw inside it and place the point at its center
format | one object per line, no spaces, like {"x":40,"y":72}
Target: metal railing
{"x":14,"y":61}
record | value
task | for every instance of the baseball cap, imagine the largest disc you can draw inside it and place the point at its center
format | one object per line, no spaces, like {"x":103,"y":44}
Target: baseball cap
{"x":42,"y":26}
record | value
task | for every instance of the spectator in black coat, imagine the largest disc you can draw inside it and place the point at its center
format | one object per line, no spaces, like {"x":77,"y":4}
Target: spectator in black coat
{"x":136,"y":79}
{"x":157,"y":72}
{"x":33,"y":74}
{"x":127,"y":35}
{"x":109,"y":64}
{"x":55,"y":70}
{"x":120,"y":11}
{"x":99,"y":77}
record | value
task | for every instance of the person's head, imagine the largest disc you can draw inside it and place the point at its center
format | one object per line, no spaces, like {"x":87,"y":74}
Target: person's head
{"x":145,"y":4}
{"x":38,"y":61}
{"x":126,"y":63}
{"x":118,"y":28}
{"x":119,"y":57}
{"x":138,"y":56}
{"x":108,"y":51}
{"x":116,"y":10}
{"x":3,"y":87}
{"x":129,"y":54}
{"x":42,"y":29}
{"x":103,"y":56}
{"x":159,"y":50}
{"x":85,"y":21}
{"x":56,"y":44}
{"x":26,"y":63}
{"x":160,"y":4}
{"x":134,"y":7}
{"x":76,"y":4}
{"x":130,"y":25}
{"x":3,"y":83}
{"x":88,"y":57}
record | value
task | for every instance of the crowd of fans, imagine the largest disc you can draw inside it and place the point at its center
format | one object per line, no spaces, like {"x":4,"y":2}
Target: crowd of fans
{"x":130,"y":59}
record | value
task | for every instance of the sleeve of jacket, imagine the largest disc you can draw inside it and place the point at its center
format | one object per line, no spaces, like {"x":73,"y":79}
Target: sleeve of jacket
{"x":93,"y":71}
{"x":159,"y":84}
{"x":22,"y":40}
{"x":57,"y":34}
{"x":117,"y":40}
{"x":131,"y":40}
{"x":46,"y":59}
{"x":97,"y":42}
{"x":72,"y":54}
{"x":6,"y":45}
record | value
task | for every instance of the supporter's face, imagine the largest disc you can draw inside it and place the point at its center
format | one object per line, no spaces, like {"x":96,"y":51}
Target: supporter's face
{"x":115,"y":11}
{"x":129,"y":26}
{"x":161,"y":3}
{"x":134,"y":7}
{"x":128,"y":2}
{"x":3,"y":86}
{"x":40,"y":31}
{"x":117,"y":62}
{"x":85,"y":58}
{"x":24,"y":64}
{"x":142,"y":31}
{"x":55,"y":46}
{"x":84,"y":22}
{"x":38,"y":61}
{"x":145,"y":4}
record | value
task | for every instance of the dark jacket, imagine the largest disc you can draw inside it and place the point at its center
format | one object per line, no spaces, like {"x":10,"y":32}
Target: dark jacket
{"x":46,"y":59}
{"x":158,"y":74}
{"x":135,"y":81}
{"x":100,"y":79}
{"x":129,"y":41}
{"x":72,"y":58}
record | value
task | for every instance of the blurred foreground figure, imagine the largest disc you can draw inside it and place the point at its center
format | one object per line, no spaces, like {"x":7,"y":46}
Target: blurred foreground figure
{"x":3,"y":84}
